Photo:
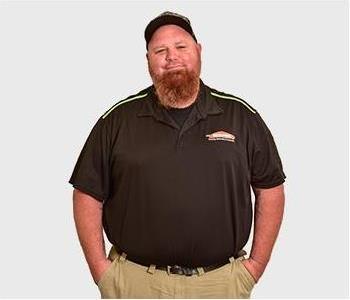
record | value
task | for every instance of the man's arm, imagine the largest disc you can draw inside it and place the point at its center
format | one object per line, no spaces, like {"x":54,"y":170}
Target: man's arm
{"x":269,"y":206}
{"x":88,"y":221}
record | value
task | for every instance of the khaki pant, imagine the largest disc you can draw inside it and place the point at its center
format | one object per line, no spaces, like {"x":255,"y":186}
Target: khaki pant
{"x":125,"y":279}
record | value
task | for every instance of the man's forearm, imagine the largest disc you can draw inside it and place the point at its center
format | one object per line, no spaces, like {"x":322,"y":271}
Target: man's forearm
{"x":269,"y":206}
{"x":88,"y":222}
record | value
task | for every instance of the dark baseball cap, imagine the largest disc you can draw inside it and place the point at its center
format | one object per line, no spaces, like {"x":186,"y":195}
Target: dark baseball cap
{"x":168,"y":18}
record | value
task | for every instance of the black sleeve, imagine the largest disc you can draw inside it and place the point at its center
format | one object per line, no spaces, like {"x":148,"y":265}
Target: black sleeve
{"x":91,"y":172}
{"x":266,"y":166}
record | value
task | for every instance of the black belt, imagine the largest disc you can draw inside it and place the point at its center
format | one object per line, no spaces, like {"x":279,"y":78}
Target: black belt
{"x":181,"y":270}
{"x":188,"y":271}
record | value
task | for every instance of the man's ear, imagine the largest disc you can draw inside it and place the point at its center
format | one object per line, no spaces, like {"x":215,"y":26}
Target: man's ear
{"x":199,"y":47}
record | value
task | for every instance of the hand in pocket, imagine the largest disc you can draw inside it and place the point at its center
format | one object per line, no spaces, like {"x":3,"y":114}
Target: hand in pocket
{"x":253,"y":268}
{"x":101,"y":269}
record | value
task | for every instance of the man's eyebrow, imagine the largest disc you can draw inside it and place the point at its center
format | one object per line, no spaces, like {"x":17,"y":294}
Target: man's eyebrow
{"x":155,"y":48}
{"x":159,"y":46}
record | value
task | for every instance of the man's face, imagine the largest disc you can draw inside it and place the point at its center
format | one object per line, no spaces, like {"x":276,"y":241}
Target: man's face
{"x":174,"y":63}
{"x":173,"y":48}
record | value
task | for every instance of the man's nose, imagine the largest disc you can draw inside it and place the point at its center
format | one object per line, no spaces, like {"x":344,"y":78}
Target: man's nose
{"x":171,"y":55}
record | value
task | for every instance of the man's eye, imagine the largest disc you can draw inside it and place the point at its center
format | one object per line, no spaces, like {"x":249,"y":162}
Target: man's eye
{"x":160,"y":51}
{"x":181,"y":46}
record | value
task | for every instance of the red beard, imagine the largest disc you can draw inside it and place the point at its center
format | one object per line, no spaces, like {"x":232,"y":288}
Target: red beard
{"x":176,"y":88}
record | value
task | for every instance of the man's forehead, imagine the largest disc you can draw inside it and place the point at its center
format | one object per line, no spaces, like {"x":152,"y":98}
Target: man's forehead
{"x":172,"y":32}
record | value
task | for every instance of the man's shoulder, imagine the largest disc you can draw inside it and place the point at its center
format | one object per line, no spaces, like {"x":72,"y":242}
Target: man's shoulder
{"x":230,"y":99}
{"x":132,"y":99}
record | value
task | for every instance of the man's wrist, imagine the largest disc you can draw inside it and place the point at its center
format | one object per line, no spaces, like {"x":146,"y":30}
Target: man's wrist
{"x":98,"y":268}
{"x":254,"y":267}
{"x":257,"y":263}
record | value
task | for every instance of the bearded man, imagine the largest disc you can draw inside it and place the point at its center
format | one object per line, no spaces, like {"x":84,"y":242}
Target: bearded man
{"x":167,"y":174}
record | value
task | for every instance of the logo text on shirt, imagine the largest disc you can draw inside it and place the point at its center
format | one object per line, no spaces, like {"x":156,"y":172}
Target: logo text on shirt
{"x":221,"y":136}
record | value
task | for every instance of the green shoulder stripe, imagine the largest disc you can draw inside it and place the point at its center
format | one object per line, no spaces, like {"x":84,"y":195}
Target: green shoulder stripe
{"x":235,"y":99}
{"x":122,"y":102}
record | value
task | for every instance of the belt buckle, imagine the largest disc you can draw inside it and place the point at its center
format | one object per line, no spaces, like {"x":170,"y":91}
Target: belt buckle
{"x":189,"y":271}
{"x":176,"y":269}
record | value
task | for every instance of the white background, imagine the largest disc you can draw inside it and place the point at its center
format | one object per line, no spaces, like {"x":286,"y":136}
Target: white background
{"x":63,"y":64}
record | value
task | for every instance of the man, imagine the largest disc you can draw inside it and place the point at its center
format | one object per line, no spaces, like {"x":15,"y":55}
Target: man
{"x":167,"y":174}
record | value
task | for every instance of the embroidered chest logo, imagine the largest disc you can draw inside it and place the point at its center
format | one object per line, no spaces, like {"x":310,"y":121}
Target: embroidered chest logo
{"x":221,"y":136}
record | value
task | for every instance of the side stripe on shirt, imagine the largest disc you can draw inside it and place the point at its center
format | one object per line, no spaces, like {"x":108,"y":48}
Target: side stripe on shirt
{"x":235,"y":99}
{"x":122,"y":102}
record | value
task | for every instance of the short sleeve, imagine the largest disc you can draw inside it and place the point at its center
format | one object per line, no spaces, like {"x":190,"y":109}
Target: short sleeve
{"x":266,"y":166}
{"x":91,"y":173}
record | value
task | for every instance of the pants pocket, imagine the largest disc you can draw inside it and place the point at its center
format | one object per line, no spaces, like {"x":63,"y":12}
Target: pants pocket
{"x":242,"y":280}
{"x":246,"y":273}
{"x":107,"y":275}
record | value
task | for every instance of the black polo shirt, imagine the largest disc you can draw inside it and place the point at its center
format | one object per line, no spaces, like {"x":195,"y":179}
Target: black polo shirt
{"x":178,"y":195}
